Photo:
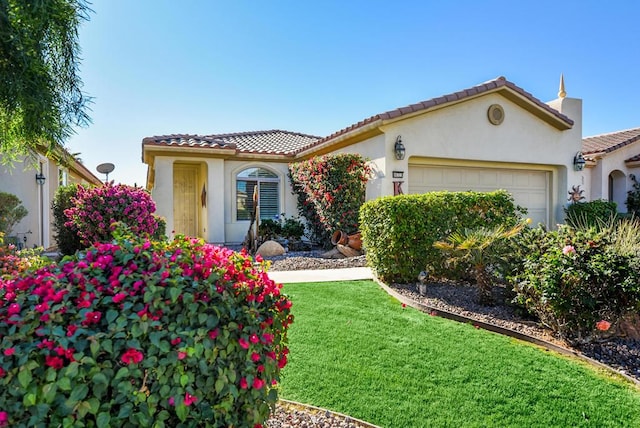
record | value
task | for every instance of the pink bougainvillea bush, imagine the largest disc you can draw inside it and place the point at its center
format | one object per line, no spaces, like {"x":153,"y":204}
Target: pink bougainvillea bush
{"x":95,"y":211}
{"x":141,"y":333}
{"x":330,"y":190}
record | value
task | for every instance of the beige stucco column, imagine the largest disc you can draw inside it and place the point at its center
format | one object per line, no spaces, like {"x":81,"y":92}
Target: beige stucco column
{"x":162,"y":192}
{"x":215,"y":203}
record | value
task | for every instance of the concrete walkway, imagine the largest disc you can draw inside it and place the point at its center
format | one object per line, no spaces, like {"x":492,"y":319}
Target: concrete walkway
{"x":321,"y":275}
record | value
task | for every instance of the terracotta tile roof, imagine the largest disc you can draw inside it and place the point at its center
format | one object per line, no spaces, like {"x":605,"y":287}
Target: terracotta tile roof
{"x":263,"y":142}
{"x":456,"y":96}
{"x":290,"y":143}
{"x":607,"y":143}
{"x":635,"y":158}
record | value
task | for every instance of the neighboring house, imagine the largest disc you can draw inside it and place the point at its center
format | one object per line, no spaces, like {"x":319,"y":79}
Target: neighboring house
{"x":491,"y":136}
{"x":612,"y":158}
{"x":36,"y":186}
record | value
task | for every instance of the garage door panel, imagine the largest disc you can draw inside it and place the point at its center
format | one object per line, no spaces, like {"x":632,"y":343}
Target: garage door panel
{"x":488,"y":178}
{"x":529,"y":188}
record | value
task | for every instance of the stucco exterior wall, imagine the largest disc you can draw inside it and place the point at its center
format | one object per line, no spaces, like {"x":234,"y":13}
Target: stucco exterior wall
{"x":463,"y":133}
{"x":613,"y":163}
{"x":20,"y":181}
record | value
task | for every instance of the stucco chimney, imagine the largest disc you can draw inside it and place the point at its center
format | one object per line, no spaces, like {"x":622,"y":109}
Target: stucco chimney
{"x":570,"y":107}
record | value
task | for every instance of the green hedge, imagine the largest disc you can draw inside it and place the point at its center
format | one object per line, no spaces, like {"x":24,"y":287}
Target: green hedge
{"x":398,"y":232}
{"x":593,"y":213}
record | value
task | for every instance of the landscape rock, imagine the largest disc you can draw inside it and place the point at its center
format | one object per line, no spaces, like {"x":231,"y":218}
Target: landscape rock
{"x":270,"y":249}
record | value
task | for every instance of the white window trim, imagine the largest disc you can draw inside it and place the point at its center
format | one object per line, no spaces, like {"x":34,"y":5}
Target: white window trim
{"x":234,"y":187}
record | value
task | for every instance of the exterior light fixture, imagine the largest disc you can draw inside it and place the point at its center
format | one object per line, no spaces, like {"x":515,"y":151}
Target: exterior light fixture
{"x":398,"y":149}
{"x":398,"y":174}
{"x":578,"y":162}
{"x":40,"y":178}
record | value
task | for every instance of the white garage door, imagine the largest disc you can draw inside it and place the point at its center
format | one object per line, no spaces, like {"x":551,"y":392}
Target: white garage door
{"x":530,"y":189}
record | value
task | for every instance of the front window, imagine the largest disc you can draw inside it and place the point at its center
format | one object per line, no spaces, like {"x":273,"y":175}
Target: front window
{"x":266,"y":184}
{"x":63,"y":177}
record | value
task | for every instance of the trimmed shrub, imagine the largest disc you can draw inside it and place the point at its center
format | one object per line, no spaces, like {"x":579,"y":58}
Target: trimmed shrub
{"x":141,"y":333}
{"x":66,"y":237}
{"x":399,"y":231}
{"x":11,"y":211}
{"x":592,"y":213}
{"x":96,"y":211}
{"x":633,"y":197}
{"x":573,"y":279}
{"x":330,"y":190}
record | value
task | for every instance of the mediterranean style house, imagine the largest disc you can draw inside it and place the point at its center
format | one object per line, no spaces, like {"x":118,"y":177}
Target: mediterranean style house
{"x":491,"y":136}
{"x":35,"y":184}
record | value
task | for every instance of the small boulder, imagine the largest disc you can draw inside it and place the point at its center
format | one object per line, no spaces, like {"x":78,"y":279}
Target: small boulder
{"x":270,"y":249}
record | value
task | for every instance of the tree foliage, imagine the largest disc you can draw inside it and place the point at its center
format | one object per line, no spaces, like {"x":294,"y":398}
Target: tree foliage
{"x":41,"y":96}
{"x":11,"y":211}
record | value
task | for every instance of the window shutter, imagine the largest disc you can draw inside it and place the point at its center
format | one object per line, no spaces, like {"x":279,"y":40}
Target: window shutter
{"x":269,"y":206}
{"x":244,"y":199}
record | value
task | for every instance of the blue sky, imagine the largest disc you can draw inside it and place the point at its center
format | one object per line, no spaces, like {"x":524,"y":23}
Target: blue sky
{"x":158,"y":67}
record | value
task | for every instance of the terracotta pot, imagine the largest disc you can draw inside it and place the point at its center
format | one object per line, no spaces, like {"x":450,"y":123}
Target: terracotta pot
{"x":355,"y":241}
{"x":339,"y":237}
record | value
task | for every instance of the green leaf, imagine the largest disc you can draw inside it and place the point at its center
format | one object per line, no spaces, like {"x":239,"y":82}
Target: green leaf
{"x":72,"y":370}
{"x":95,"y":347}
{"x":82,"y":409}
{"x":174,"y":293}
{"x":184,"y":380}
{"x":103,"y":420}
{"x":79,"y":392}
{"x":24,"y":377}
{"x":111,"y":315}
{"x":64,"y":383}
{"x":49,"y":392}
{"x":29,"y":400}
{"x":107,"y":345}
{"x":125,"y":411}
{"x":155,"y":337}
{"x":94,"y":405}
{"x":100,"y":378}
{"x":219,"y":385}
{"x":182,"y":412}
{"x":123,"y":372}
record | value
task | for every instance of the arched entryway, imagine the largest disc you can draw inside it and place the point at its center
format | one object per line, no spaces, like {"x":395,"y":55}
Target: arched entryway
{"x":618,"y":190}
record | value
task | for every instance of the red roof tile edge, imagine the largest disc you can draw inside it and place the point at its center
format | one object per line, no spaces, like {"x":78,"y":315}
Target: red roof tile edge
{"x":616,"y":146}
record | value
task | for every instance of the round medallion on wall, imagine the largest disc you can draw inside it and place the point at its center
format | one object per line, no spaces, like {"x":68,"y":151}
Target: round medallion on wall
{"x":495,"y":113}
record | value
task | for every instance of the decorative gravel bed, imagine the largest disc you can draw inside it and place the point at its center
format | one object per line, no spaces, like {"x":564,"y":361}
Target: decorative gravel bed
{"x":458,"y":298}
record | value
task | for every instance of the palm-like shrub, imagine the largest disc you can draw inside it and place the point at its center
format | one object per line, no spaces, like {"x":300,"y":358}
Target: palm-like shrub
{"x":479,"y":248}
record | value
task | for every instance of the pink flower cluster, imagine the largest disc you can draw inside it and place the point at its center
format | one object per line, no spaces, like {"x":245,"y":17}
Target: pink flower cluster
{"x":96,"y":210}
{"x":69,"y":306}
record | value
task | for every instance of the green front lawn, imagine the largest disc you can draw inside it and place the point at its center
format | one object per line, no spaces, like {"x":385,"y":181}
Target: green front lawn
{"x":356,"y":350}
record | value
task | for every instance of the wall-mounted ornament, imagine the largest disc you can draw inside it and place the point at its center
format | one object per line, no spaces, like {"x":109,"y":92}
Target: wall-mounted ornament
{"x":495,"y":114}
{"x":575,"y":194}
{"x":203,"y":196}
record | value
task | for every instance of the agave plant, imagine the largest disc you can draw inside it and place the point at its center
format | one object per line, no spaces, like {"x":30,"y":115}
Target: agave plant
{"x":478,"y":247}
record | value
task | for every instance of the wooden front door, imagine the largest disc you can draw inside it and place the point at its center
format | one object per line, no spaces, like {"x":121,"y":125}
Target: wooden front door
{"x":185,"y":200}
